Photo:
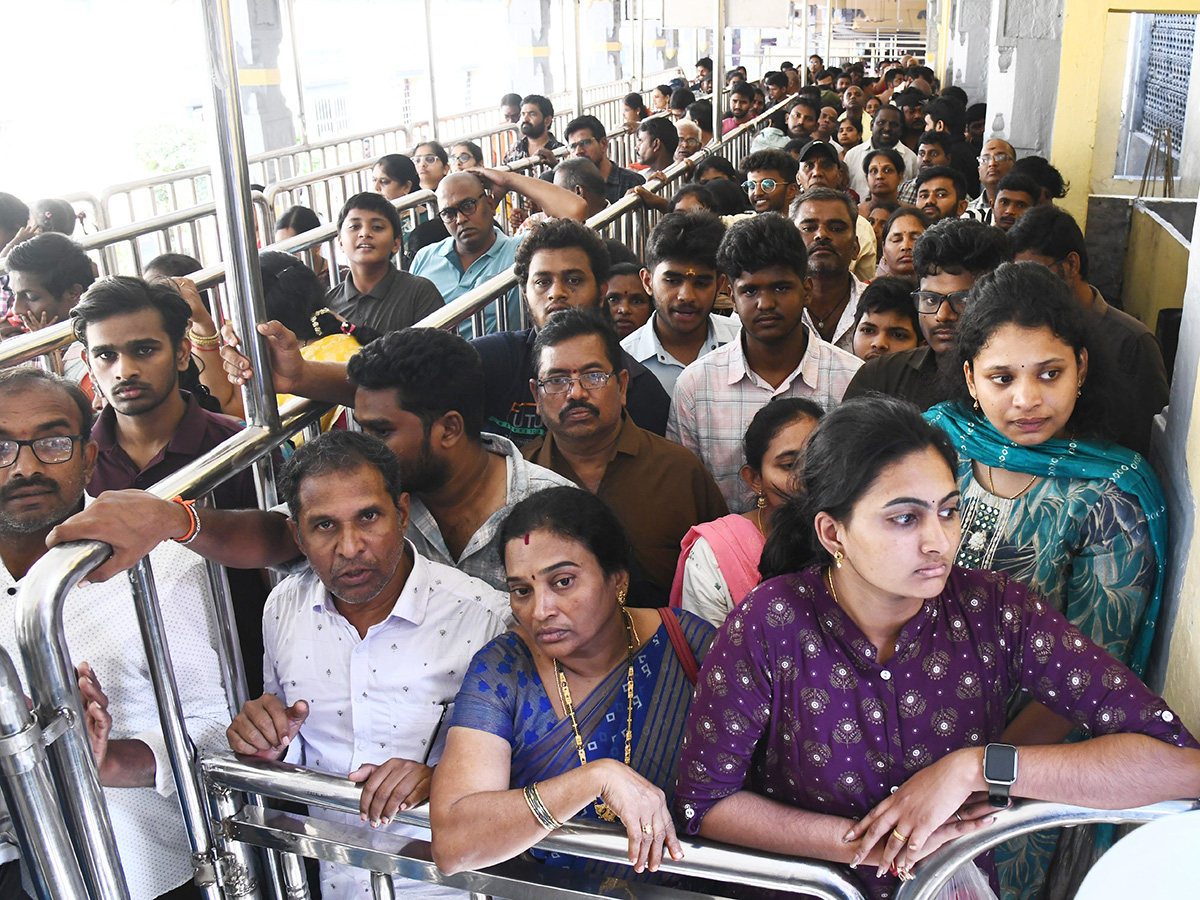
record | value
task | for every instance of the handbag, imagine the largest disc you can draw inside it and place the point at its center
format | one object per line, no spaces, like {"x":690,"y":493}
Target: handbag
{"x":683,"y":651}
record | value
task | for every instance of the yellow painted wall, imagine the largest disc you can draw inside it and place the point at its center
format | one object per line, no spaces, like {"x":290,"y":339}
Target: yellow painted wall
{"x":1108,"y":132}
{"x":1085,"y":27}
{"x":1154,"y":257}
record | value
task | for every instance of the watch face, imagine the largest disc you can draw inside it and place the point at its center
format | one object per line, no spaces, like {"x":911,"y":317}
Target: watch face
{"x":1000,"y":763}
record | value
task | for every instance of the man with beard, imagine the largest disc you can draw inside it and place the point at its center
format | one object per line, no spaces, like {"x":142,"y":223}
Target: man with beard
{"x":681,"y":275}
{"x":820,"y":167}
{"x":886,"y":130}
{"x":741,"y":99}
{"x":366,"y":648}
{"x":933,"y":150}
{"x":948,"y":258}
{"x":45,"y":460}
{"x":586,"y":138}
{"x":656,"y":143}
{"x":777,"y":356}
{"x":826,"y":221}
{"x":657,"y":489}
{"x":802,"y":118}
{"x":941,"y":193}
{"x":537,"y":112}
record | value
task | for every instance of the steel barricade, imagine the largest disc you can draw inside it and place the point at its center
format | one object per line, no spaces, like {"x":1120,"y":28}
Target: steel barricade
{"x":381,"y":852}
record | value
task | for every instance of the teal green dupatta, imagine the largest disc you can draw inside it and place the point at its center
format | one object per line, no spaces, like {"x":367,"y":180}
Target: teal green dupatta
{"x":974,"y":438}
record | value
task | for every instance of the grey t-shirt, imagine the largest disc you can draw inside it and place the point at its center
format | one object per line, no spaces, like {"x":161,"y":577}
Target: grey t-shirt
{"x":400,"y":300}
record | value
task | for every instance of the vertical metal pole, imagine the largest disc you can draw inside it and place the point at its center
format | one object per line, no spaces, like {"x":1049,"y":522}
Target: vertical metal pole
{"x":828,"y":33}
{"x":235,"y":215}
{"x":55,"y":691}
{"x":29,"y":792}
{"x":179,"y":745}
{"x":229,"y":649}
{"x":641,"y":45}
{"x":288,"y":9}
{"x":433,"y":111}
{"x":718,"y":69}
{"x":295,"y":882}
{"x":578,"y":59}
{"x":382,"y":887}
{"x":804,"y":42}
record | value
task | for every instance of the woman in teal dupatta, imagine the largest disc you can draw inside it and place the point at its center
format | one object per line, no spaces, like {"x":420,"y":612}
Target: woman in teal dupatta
{"x":577,"y":712}
{"x":1081,"y":520}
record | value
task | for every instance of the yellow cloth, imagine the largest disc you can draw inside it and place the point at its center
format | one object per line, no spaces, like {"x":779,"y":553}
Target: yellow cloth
{"x":334,"y":348}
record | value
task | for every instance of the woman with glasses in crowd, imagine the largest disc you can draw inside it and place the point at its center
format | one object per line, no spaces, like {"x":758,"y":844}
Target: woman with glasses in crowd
{"x":465,"y":155}
{"x":578,"y":711}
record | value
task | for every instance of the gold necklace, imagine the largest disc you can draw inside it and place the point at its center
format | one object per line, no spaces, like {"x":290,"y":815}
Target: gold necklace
{"x":564,"y":692}
{"x":992,"y":487}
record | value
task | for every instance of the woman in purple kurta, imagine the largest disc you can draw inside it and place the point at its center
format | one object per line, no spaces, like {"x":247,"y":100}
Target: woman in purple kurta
{"x":869,"y":688}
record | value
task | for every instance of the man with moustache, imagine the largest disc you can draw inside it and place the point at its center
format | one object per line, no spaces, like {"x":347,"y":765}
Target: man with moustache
{"x":941,"y":193}
{"x":45,"y":460}
{"x":948,"y":258}
{"x":820,"y":166}
{"x":367,"y":647}
{"x":657,"y":489}
{"x":826,"y":220}
{"x":537,"y":112}
{"x":995,"y":161}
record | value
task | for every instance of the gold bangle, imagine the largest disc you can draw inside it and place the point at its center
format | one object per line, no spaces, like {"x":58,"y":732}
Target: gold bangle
{"x":211,"y":342}
{"x":540,"y":812}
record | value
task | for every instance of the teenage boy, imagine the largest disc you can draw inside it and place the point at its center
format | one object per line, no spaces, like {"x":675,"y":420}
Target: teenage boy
{"x":770,"y":181}
{"x":681,"y":275}
{"x":629,"y":302}
{"x":777,"y":356}
{"x":886,"y":319}
{"x":376,"y":294}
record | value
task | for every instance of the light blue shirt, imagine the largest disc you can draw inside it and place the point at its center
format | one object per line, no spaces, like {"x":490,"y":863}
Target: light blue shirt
{"x":644,"y":346}
{"x":440,"y":264}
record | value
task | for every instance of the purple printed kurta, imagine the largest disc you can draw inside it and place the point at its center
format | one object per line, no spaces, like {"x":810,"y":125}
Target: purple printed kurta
{"x":793,"y":704}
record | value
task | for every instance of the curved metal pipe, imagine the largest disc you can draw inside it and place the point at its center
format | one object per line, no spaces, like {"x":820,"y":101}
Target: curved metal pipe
{"x":1022,"y":818}
{"x":30,"y":796}
{"x":604,"y":842}
{"x":52,"y":685}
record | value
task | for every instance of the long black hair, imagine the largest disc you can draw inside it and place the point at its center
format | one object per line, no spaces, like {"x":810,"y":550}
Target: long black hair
{"x":847,"y":451}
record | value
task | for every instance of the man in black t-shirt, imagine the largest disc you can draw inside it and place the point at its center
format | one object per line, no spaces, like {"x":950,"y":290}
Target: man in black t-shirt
{"x":560,"y":265}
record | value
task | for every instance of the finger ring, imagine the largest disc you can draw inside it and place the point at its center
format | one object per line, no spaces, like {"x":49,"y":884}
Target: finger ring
{"x":902,"y":838}
{"x":957,"y":816}
{"x":646,"y":829}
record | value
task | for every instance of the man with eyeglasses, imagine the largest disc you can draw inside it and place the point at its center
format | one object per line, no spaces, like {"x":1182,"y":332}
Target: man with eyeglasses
{"x":995,"y":161}
{"x":586,"y":137}
{"x":477,"y":249}
{"x":658,"y":489}
{"x":690,"y":140}
{"x":45,"y":461}
{"x":948,"y":258}
{"x":770,"y":181}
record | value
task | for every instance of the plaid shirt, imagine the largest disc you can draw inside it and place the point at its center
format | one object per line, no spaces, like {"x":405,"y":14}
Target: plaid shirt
{"x":907,"y":194}
{"x":481,"y":557}
{"x":717,"y":396}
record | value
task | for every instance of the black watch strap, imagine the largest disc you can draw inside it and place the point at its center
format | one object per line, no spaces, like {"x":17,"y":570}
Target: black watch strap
{"x":999,"y":771}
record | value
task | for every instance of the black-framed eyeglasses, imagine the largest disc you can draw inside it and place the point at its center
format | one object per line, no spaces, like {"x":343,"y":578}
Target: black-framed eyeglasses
{"x":429,"y":159}
{"x":581,"y":144}
{"x":929,"y":302}
{"x":468,"y":206}
{"x":561,"y":384}
{"x":767,"y":185}
{"x":51,"y":450}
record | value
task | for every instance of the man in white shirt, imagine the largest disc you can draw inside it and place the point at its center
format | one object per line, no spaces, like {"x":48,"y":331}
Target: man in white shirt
{"x":45,"y":460}
{"x":777,"y":356}
{"x":826,"y":220}
{"x":886,"y":131}
{"x":681,"y":275}
{"x":365,"y":650}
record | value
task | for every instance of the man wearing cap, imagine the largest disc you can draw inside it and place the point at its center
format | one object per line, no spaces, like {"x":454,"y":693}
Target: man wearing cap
{"x":819,"y":168}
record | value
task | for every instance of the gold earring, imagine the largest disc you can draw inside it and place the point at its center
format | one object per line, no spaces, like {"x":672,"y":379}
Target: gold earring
{"x":837,"y":558}
{"x":621,"y":597}
{"x":762,"y":501}
{"x":976,"y":404}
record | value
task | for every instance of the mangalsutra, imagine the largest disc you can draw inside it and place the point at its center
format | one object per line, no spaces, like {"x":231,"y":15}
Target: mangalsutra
{"x":564,"y":692}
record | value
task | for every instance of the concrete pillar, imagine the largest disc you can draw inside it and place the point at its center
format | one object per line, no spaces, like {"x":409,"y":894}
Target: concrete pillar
{"x":1022,"y":72}
{"x":269,"y":122}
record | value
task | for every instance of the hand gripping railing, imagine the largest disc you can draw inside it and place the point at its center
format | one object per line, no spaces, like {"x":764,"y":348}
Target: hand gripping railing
{"x":1023,"y":817}
{"x":361,"y":845}
{"x":39,"y":627}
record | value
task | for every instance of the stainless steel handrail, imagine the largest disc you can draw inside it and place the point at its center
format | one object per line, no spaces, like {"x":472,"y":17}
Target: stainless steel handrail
{"x":606,"y":843}
{"x":1023,"y":817}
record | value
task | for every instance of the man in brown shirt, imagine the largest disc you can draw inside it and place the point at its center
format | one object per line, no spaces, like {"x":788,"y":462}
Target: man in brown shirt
{"x":657,"y":488}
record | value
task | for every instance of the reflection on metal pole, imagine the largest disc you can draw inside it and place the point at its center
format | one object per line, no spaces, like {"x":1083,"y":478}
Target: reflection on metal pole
{"x":32,"y":802}
{"x":235,"y":214}
{"x":828,"y":33}
{"x":578,"y":60}
{"x":55,"y":693}
{"x":433,"y":113}
{"x":718,"y":69}
{"x":382,"y":887}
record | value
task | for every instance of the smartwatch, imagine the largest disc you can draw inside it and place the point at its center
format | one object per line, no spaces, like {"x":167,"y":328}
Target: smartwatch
{"x":999,"y":771}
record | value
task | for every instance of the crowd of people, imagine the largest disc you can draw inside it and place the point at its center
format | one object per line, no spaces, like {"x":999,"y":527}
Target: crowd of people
{"x":794,"y":530}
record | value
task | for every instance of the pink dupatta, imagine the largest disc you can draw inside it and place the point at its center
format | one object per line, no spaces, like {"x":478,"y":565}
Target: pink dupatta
{"x":737,"y":545}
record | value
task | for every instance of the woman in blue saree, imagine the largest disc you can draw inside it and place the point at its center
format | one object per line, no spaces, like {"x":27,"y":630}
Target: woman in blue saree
{"x":579,"y":711}
{"x":1046,"y":500}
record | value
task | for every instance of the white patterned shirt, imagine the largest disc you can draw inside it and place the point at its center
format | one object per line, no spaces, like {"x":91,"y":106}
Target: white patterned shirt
{"x":387,"y":695}
{"x":101,"y":629}
{"x":717,"y":396}
{"x":644,"y":346}
{"x":481,"y":557}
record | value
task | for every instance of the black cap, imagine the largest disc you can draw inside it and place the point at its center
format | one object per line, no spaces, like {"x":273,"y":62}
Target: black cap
{"x":819,"y":148}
